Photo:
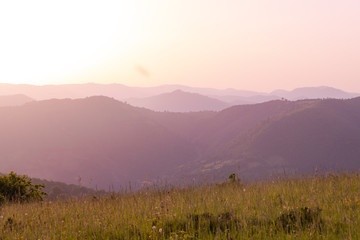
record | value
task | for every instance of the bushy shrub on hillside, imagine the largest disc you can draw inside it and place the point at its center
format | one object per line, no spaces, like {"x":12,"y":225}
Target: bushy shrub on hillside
{"x":15,"y":188}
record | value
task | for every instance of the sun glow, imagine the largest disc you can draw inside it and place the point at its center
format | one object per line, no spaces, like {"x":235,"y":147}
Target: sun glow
{"x":49,"y":41}
{"x":256,"y":45}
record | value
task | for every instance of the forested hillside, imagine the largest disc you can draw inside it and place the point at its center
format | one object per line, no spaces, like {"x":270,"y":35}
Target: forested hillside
{"x":108,"y":143}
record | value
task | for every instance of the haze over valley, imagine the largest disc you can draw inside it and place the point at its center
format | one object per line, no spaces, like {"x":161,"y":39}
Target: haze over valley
{"x":175,"y":119}
{"x":100,"y":141}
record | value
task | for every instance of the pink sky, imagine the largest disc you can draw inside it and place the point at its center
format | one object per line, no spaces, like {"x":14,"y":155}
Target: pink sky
{"x":256,"y":45}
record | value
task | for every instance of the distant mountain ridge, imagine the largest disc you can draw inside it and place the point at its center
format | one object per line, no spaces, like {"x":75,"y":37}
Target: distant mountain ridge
{"x":179,"y":101}
{"x":109,"y":143}
{"x":314,"y":93}
{"x":14,"y":100}
{"x":123,"y":92}
{"x":117,"y":91}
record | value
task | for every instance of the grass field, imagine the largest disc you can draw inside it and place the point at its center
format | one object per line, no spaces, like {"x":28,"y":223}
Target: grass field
{"x":318,"y":207}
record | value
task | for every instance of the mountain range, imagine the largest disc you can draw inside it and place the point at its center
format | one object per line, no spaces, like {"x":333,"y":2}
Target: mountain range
{"x":179,"y":101}
{"x":107,"y":143}
{"x":173,"y":98}
{"x":314,"y":92}
{"x":117,"y":91}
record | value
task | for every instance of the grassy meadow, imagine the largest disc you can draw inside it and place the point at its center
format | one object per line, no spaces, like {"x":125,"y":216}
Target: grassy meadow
{"x":317,"y":207}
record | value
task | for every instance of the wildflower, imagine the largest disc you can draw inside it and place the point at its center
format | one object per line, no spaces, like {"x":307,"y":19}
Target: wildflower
{"x":26,"y":214}
{"x":244,"y":189}
{"x":153,"y":227}
{"x":160,"y":230}
{"x":1,"y":217}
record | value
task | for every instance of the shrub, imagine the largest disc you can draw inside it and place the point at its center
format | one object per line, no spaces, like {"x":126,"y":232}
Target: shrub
{"x":232,"y":177}
{"x":15,"y":188}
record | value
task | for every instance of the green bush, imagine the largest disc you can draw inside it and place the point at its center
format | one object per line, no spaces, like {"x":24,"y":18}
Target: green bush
{"x":15,"y":188}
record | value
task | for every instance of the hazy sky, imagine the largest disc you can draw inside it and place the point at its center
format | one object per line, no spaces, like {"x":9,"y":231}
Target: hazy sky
{"x":255,"y":45}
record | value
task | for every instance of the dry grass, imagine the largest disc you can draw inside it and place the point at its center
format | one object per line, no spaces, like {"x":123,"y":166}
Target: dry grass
{"x":324,"y":207}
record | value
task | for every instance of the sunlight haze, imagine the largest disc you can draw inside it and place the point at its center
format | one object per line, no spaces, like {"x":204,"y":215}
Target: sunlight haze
{"x":256,"y":45}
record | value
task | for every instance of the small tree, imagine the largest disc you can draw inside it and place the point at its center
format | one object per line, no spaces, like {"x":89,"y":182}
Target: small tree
{"x":15,"y":188}
{"x":232,"y":177}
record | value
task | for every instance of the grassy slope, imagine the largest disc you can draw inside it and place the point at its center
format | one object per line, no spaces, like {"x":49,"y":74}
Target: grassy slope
{"x":303,"y":208}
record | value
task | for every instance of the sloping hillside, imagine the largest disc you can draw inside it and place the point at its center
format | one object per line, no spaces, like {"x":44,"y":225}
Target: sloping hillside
{"x":101,"y":140}
{"x":322,"y":134}
{"x":107,"y":143}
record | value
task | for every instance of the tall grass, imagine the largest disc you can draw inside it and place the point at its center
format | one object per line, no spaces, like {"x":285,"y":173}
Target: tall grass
{"x":319,"y":207}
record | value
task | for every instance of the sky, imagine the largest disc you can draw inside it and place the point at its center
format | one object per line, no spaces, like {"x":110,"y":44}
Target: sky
{"x":259,"y":45}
